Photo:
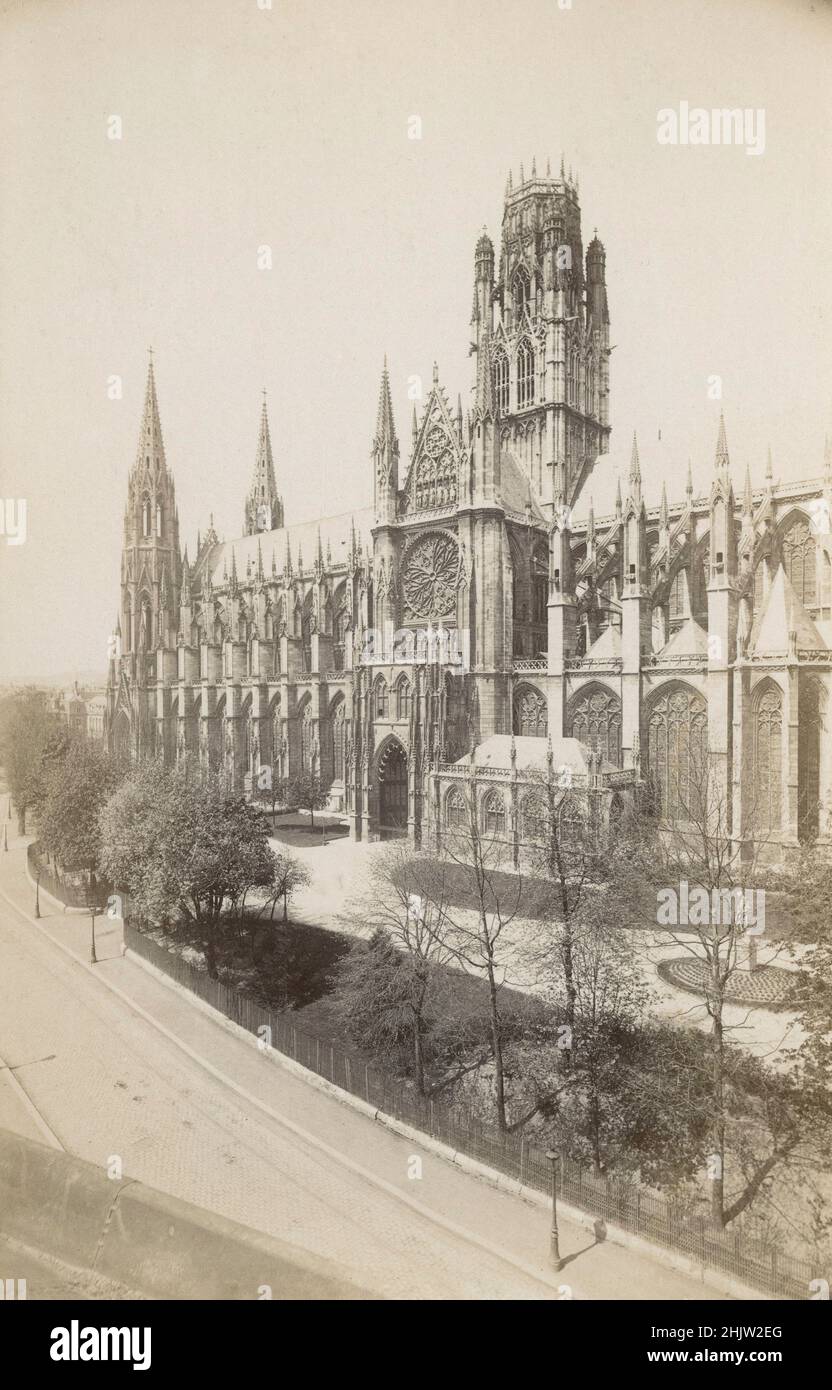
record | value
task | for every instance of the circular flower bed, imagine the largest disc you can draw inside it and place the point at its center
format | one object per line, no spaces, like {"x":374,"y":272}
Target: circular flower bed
{"x":766,"y":988}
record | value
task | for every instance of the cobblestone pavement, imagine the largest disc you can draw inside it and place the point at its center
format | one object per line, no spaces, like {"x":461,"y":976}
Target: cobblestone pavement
{"x":108,"y":1082}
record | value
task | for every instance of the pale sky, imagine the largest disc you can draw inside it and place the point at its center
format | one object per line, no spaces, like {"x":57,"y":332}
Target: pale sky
{"x":288,"y":127}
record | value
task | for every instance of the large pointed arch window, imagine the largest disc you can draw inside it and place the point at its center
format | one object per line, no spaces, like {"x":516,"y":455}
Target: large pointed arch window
{"x":677,"y":736}
{"x":338,"y":726}
{"x":455,"y":809}
{"x":530,"y":713}
{"x":493,"y":814}
{"x":382,"y":699}
{"x":525,"y":374}
{"x":596,"y":721}
{"x":798,"y":548}
{"x":501,"y":375}
{"x":534,"y":818}
{"x":146,"y":515}
{"x":520,"y":291}
{"x":768,"y":760}
{"x":306,"y":737}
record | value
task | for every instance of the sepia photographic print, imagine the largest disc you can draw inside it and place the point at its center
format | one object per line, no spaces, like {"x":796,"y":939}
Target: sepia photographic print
{"x":416,"y":665}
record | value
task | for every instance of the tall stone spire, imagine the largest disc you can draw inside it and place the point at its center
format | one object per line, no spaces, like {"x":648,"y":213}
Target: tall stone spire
{"x":385,"y":455}
{"x":263,"y":508}
{"x":150,"y":453}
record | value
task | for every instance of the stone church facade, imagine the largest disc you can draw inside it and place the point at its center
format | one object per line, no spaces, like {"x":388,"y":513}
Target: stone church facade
{"x":467,"y":632}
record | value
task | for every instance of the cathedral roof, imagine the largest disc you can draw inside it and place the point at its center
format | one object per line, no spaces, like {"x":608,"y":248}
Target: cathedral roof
{"x":607,"y":644}
{"x":690,"y":640}
{"x":532,"y":753}
{"x":782,"y":613}
{"x":516,"y":494}
{"x":335,"y":534}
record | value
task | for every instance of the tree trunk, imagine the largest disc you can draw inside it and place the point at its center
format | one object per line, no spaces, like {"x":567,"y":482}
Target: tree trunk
{"x":718,"y":1101}
{"x":497,"y":1050}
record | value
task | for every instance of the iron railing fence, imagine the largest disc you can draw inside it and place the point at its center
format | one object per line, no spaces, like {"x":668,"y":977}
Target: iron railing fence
{"x":736,"y":1252}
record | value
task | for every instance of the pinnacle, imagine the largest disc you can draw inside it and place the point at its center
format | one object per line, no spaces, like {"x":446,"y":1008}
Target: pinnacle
{"x":485,"y":403}
{"x":635,"y":466}
{"x":385,"y":427}
{"x":721,"y":461}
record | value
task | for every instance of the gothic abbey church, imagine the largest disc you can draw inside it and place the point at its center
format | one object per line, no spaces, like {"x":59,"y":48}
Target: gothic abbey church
{"x":467,"y":627}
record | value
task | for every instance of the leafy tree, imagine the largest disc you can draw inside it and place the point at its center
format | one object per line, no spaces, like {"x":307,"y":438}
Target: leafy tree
{"x":186,"y":849}
{"x":28,"y":728}
{"x":73,"y":789}
{"x":290,"y":875}
{"x":271,"y":791}
{"x":307,"y":792}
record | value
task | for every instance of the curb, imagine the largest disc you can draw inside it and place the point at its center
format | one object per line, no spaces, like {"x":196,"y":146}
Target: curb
{"x":617,"y":1235}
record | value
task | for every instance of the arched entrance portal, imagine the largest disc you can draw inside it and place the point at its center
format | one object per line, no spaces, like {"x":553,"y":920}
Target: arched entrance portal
{"x":392,"y":792}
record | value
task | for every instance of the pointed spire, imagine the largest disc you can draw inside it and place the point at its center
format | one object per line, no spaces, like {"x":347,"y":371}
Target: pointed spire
{"x":151,"y":446}
{"x":485,"y":402}
{"x":522,"y":175}
{"x":414,"y":427}
{"x":548,"y":167}
{"x":436,"y":373}
{"x":769,"y":467}
{"x":534,"y":166}
{"x":263,"y":508}
{"x":635,"y":466}
{"x":618,"y":504}
{"x":590,"y":525}
{"x":562,"y":173}
{"x":663,"y":507}
{"x":300,"y":558}
{"x":232,"y":579}
{"x":260,"y":573}
{"x":385,"y":428}
{"x":689,"y":483}
{"x":721,"y":461}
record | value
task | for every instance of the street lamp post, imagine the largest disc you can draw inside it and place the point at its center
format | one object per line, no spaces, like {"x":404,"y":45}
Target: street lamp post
{"x":93,"y":891}
{"x":37,"y":896}
{"x":554,"y":1238}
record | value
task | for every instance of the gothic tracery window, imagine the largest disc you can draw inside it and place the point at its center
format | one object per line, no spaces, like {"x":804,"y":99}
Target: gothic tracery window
{"x":455,"y":809}
{"x":493,"y":814}
{"x":530,"y":714}
{"x":768,"y":761}
{"x":403,"y":698}
{"x":501,"y":379}
{"x":678,"y":596}
{"x":534,"y":818}
{"x":571,"y":823}
{"x":338,"y":719}
{"x":382,"y":699}
{"x":798,"y":548}
{"x":596,"y":721}
{"x":520,"y":290}
{"x":306,"y":737}
{"x":677,"y":728}
{"x":434,"y":483}
{"x":525,"y":374}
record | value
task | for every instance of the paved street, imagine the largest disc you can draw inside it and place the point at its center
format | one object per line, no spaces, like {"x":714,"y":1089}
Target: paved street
{"x":239,"y":1134}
